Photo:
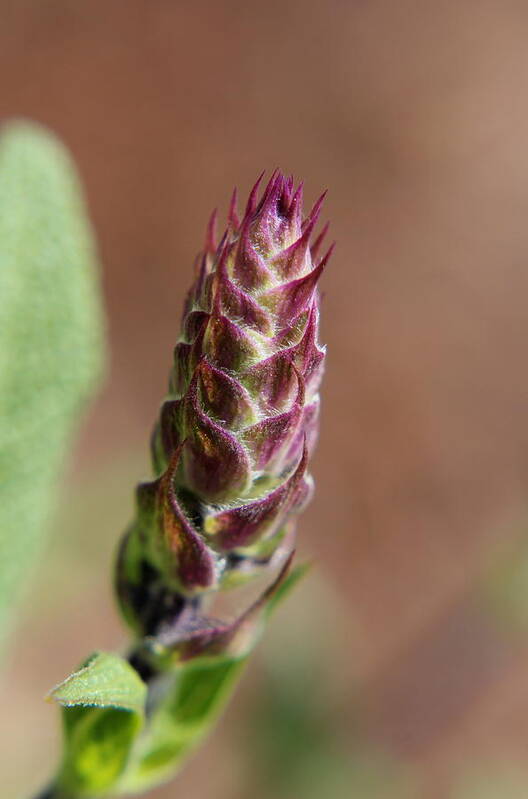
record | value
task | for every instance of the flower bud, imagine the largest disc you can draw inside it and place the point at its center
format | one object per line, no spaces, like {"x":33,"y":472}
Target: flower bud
{"x":232,"y":444}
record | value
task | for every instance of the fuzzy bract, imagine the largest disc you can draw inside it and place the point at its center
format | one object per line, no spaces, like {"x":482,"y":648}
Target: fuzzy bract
{"x":232,"y":444}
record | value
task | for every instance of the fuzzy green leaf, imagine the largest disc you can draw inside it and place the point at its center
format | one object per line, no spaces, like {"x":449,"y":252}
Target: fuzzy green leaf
{"x":103,"y":709}
{"x":112,"y":747}
{"x":105,"y":680}
{"x":51,"y":343}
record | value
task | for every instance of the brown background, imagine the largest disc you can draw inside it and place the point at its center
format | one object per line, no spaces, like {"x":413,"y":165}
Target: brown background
{"x":415,"y":116}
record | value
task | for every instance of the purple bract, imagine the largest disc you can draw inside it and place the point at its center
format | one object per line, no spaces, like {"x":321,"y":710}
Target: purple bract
{"x":234,"y":437}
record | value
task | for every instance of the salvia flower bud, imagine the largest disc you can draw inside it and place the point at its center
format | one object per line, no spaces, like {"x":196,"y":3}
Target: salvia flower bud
{"x":234,"y":437}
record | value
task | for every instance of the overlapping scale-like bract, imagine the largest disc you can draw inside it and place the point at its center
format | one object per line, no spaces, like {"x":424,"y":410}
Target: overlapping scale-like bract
{"x":234,"y":436}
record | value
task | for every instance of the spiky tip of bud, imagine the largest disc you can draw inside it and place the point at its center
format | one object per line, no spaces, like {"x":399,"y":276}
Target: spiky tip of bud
{"x":234,"y":437}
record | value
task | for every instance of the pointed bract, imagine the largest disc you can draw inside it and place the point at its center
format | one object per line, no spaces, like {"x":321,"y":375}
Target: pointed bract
{"x":232,"y":444}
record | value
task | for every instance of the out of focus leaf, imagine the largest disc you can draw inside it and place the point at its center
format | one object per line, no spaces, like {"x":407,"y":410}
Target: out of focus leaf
{"x":50,"y":339}
{"x":103,"y":707}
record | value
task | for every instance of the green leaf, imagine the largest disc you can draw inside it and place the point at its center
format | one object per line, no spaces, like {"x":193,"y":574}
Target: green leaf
{"x":112,"y":747}
{"x":103,"y":710}
{"x":51,"y":342}
{"x":196,"y":695}
{"x":193,"y":697}
{"x":99,"y":747}
{"x":105,"y":680}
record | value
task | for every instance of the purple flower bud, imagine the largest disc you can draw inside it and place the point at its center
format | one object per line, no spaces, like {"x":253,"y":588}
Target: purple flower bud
{"x":235,"y":434}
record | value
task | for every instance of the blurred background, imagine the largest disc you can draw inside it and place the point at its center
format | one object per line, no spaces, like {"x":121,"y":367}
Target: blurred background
{"x":400,"y":667}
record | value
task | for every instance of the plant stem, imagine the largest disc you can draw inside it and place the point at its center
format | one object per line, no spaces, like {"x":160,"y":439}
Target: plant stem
{"x":47,"y":793}
{"x":52,"y":792}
